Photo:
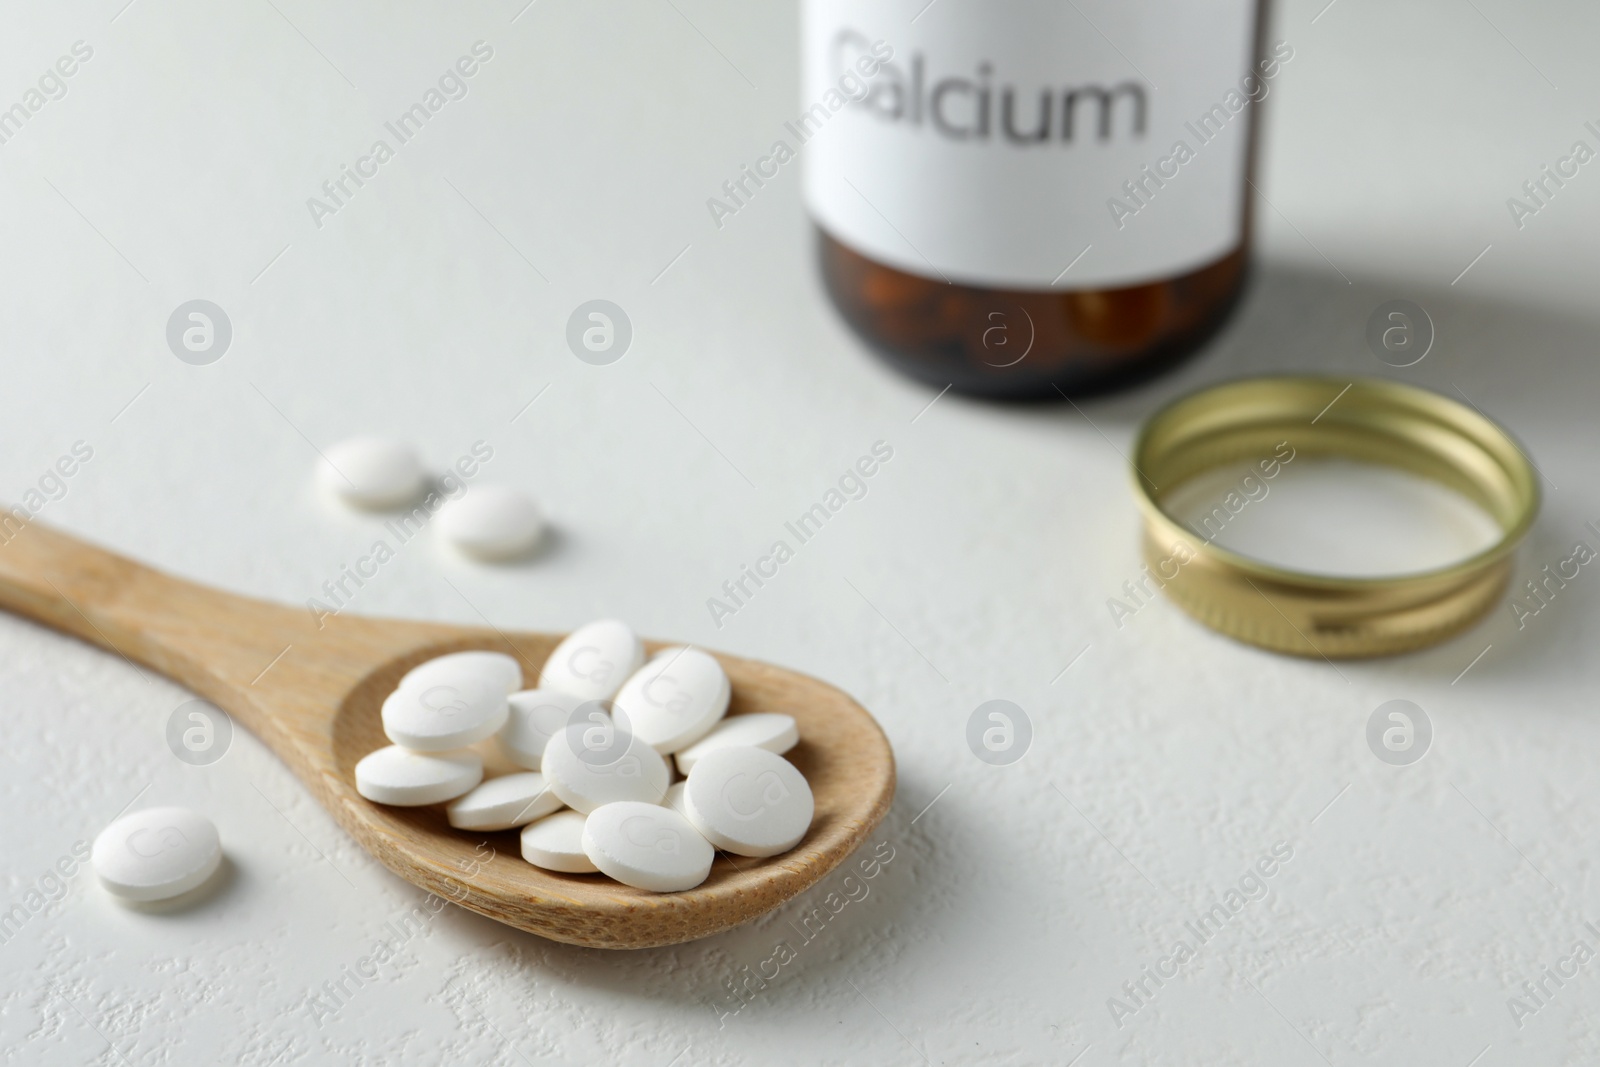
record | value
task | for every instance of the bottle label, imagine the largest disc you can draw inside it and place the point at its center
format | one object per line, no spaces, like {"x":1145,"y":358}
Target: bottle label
{"x":1031,"y":144}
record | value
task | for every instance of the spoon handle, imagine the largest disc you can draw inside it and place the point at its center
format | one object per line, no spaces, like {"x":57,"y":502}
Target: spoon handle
{"x":213,"y":642}
{"x":56,"y":579}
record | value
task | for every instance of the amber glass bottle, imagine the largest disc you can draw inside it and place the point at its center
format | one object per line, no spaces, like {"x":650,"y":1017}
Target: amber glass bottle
{"x":1007,"y":205}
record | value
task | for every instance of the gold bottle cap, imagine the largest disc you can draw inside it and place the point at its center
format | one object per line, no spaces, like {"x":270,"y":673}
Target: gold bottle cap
{"x":1369,"y":420}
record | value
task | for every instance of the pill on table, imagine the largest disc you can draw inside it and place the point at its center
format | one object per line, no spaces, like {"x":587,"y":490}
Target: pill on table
{"x":536,"y":715}
{"x":373,"y":472}
{"x":596,"y":762}
{"x":674,"y":798}
{"x":555,"y":843}
{"x":503,"y":803}
{"x":647,"y":846}
{"x":492,"y":522}
{"x":761,"y":729}
{"x":495,"y":668}
{"x":594,"y":660}
{"x":408,"y":779}
{"x":156,"y":853}
{"x":675,"y":700}
{"x":748,"y":801}
{"x":444,"y":715}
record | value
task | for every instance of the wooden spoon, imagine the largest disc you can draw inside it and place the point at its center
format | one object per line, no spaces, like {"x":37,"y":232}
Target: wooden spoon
{"x":312,"y":692}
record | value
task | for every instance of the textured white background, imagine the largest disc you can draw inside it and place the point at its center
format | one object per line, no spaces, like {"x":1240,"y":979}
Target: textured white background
{"x":1165,"y":761}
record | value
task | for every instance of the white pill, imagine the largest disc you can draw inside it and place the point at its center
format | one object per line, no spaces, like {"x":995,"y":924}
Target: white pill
{"x":748,"y":801}
{"x":408,"y":779}
{"x":594,"y":660}
{"x":647,"y":846}
{"x":675,"y":700}
{"x":762,"y":729}
{"x":674,"y":798}
{"x":504,"y":803}
{"x":594,"y":763}
{"x":156,"y":853}
{"x":444,"y":715}
{"x":555,"y":843}
{"x":373,"y":472}
{"x":492,"y":522}
{"x":536,"y":715}
{"x":494,"y":668}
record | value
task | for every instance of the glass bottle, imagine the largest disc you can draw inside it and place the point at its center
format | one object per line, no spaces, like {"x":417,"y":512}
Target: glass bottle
{"x":1027,"y":198}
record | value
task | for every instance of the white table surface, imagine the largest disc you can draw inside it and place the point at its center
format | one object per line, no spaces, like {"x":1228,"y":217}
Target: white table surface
{"x":432,"y":306}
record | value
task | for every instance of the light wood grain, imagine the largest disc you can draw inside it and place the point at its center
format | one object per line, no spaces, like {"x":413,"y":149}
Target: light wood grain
{"x":313,"y":695}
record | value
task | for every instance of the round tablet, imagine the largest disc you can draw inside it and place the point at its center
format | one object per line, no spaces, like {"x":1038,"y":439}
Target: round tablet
{"x":594,"y":660}
{"x":536,"y":715}
{"x":592,"y":763}
{"x":555,"y":843}
{"x":503,"y":803}
{"x":156,"y":853}
{"x":408,"y":779}
{"x":493,"y":668}
{"x":675,"y":700}
{"x":748,"y":801}
{"x":674,"y":798}
{"x":647,"y":846}
{"x":762,"y":729}
{"x":373,"y":472}
{"x":492,"y":522}
{"x":444,"y":715}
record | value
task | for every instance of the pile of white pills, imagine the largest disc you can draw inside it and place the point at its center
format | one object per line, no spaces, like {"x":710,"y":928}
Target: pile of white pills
{"x":598,"y":745}
{"x":491,"y":522}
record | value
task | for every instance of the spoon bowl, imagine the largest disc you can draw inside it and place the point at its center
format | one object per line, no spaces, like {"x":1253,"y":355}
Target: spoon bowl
{"x":311,"y":686}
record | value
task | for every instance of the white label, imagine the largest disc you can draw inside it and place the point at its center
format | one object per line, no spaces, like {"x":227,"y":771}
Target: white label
{"x":1031,"y":143}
